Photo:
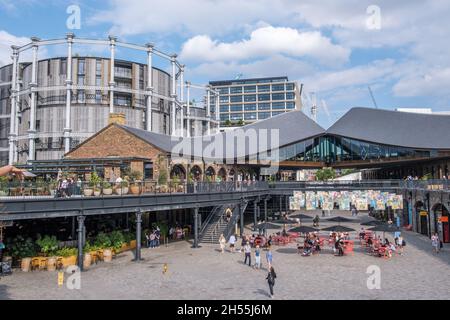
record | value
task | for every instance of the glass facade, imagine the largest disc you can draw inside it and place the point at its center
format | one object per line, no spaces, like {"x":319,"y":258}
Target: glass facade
{"x":333,"y":149}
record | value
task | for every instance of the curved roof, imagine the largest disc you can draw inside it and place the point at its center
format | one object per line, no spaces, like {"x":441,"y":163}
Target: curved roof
{"x":411,"y":130}
{"x":292,"y":126}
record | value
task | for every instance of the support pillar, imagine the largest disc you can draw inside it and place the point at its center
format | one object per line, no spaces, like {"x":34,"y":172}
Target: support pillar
{"x":80,"y":241}
{"x":241,"y":219}
{"x":67,"y":127}
{"x":138,"y":235}
{"x":173,"y":95}
{"x":33,"y":102}
{"x":188,"y":109}
{"x":149,"y":116}
{"x":255,"y":213}
{"x":265,"y":216}
{"x":195,"y":228}
{"x":112,"y":83}
{"x":13,"y":119}
{"x":208,"y":110}
{"x":182,"y":101}
{"x":281,"y":205}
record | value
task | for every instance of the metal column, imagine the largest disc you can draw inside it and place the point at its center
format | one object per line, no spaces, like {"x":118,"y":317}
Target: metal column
{"x":255,"y":212}
{"x":67,"y":127}
{"x":80,"y":241}
{"x":195,"y":228}
{"x":112,"y":41}
{"x":265,"y":216}
{"x":149,"y":115}
{"x":173,"y":95}
{"x":33,"y":102}
{"x":241,"y":218}
{"x":188,"y":109}
{"x":138,"y":235}
{"x":12,"y":132}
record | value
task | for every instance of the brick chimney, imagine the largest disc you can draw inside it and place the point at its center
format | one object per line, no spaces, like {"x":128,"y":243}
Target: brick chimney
{"x":118,"y":118}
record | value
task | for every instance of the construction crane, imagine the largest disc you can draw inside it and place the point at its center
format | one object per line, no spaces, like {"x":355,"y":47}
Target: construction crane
{"x":373,"y":98}
{"x":311,"y":102}
{"x":239,"y":76}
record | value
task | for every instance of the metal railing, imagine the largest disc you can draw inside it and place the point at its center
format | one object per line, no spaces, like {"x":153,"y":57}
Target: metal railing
{"x":125,"y":188}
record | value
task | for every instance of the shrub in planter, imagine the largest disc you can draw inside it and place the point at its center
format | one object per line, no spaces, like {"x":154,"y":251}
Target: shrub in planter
{"x":68,"y":255}
{"x":117,"y":240}
{"x":23,"y":249}
{"x":103,"y":241}
{"x":48,"y":246}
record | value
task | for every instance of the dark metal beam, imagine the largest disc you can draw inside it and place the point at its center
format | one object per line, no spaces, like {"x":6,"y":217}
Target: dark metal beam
{"x":138,"y":235}
{"x":80,"y":241}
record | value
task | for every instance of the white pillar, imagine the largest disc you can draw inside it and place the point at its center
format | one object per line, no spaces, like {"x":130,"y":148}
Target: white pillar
{"x":188,"y":109}
{"x":148,"y":119}
{"x":16,"y":121}
{"x":112,"y":42}
{"x":182,"y":84}
{"x":208,"y":110}
{"x":33,"y":103}
{"x":12,"y":123}
{"x":217,"y":106}
{"x":69,"y":79}
{"x":174,"y":94}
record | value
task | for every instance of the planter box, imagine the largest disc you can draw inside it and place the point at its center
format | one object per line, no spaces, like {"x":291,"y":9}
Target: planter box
{"x":97,"y":193}
{"x":88,"y":192}
{"x":69,"y":261}
{"x":108,"y":192}
{"x":132,"y":244}
{"x":135,"y":190}
{"x":25,"y":264}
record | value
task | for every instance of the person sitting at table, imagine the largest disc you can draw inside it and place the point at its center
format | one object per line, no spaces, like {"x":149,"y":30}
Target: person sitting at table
{"x":317,"y":245}
{"x":307,"y":247}
{"x":386,"y":243}
{"x":369,"y":241}
{"x":362,"y":233}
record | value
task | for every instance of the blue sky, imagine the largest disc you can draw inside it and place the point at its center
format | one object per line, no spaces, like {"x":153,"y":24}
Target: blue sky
{"x":332,"y":47}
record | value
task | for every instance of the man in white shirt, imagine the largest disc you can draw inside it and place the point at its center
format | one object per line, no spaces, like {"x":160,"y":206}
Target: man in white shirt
{"x":232,"y":242}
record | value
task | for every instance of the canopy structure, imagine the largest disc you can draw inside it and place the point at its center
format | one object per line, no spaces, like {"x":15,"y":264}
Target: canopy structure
{"x":338,"y":228}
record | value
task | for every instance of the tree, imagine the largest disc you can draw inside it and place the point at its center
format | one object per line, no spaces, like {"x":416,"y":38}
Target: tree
{"x":241,"y":122}
{"x":325,"y":174}
{"x":227,"y":123}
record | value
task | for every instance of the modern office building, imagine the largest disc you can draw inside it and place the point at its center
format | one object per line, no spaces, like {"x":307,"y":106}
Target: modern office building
{"x":250,"y":100}
{"x":59,"y":102}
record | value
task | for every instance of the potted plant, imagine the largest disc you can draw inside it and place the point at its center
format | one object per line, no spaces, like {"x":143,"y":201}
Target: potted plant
{"x":96,"y":183}
{"x":68,"y":256}
{"x":88,"y":251}
{"x":162,"y":181}
{"x":117,"y":240}
{"x":135,"y":177}
{"x":103,"y":241}
{"x":128,"y":238}
{"x":175,"y":183}
{"x":107,"y":188}
{"x":3,"y":186}
{"x":48,"y":246}
{"x":23,"y":249}
{"x":123,"y":187}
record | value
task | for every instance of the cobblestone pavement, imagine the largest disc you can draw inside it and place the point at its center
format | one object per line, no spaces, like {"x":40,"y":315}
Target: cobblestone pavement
{"x":205,"y":273}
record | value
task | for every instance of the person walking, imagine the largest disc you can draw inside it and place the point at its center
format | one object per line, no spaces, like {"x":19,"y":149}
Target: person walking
{"x":222,"y":243}
{"x":271,"y":276}
{"x":257,"y":257}
{"x":435,"y":242}
{"x":248,"y":254}
{"x":232,"y":242}
{"x":269,"y":257}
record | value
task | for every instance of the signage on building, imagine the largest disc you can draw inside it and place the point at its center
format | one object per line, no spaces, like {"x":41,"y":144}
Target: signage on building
{"x":423,"y":213}
{"x":444,"y":219}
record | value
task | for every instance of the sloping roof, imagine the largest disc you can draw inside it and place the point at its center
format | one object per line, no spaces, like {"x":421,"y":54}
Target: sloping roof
{"x":411,"y":130}
{"x":292,"y":127}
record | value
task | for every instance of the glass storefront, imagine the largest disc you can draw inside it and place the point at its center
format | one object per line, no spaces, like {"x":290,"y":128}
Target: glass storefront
{"x":332,"y":149}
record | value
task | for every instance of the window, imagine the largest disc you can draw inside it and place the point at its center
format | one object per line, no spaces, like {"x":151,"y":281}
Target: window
{"x":98,"y":67}
{"x":264,"y":88}
{"x":278,"y":105}
{"x":263,"y":106}
{"x":289,"y":86}
{"x":277,"y":96}
{"x":236,"y":90}
{"x":98,"y":96}
{"x":278,"y":87}
{"x":250,"y":116}
{"x":250,"y":107}
{"x":81,"y":65}
{"x":264,"y":97}
{"x":81,"y":80}
{"x":237,"y":107}
{"x":224,"y":99}
{"x":290,"y":105}
{"x":250,"y":89}
{"x":224,"y":117}
{"x":81,"y":96}
{"x":224,"y":90}
{"x":236,"y":116}
{"x":290,"y":95}
{"x":63,"y":67}
{"x":236,"y":99}
{"x":250,"y":98}
{"x":98,"y":81}
{"x":148,"y":170}
{"x":263,"y":115}
{"x":224,"y":108}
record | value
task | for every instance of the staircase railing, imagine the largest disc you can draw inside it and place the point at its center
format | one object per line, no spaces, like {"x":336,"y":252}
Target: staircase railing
{"x":230,"y":227}
{"x":210,"y":217}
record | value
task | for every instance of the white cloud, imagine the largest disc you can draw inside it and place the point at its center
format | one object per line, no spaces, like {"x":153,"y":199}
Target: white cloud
{"x":263,"y":42}
{"x":373,"y":72}
{"x":6,"y":41}
{"x":434,"y":82}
